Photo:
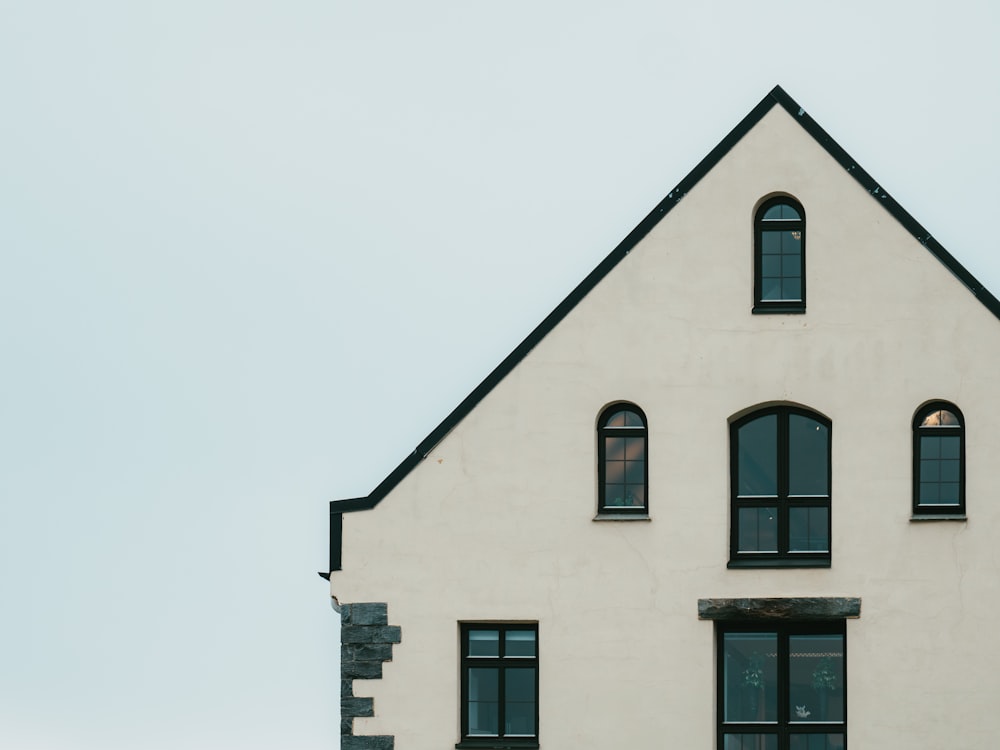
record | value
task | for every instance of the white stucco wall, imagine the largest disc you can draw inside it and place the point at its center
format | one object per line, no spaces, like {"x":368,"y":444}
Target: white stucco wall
{"x":496,"y":524}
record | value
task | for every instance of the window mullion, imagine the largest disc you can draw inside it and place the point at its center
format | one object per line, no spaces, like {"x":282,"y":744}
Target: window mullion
{"x":501,"y":698}
{"x":783,"y":483}
{"x":783,"y":690}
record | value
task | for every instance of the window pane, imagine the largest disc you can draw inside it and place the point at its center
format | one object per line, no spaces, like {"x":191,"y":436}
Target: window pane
{"x":484,"y":713}
{"x":617,"y":419}
{"x":758,"y":457}
{"x":484,"y":643}
{"x":623,"y":418}
{"x":614,"y":448}
{"x":750,"y":742}
{"x":625,"y":471}
{"x":949,"y":493}
{"x":519,"y":643}
{"x":781,"y":211}
{"x":758,"y":530}
{"x":614,"y":495}
{"x":951,"y":446}
{"x":635,"y":472}
{"x":791,"y":265}
{"x":614,"y":472}
{"x":791,"y":243}
{"x":808,"y":456}
{"x":930,"y":447}
{"x":817,"y":742}
{"x":635,"y":495}
{"x":635,"y":448}
{"x":816,"y":678}
{"x":941,"y":418}
{"x":519,"y":701}
{"x":770,"y":243}
{"x":771,"y":289}
{"x":949,"y":470}
{"x":940,"y":468}
{"x":751,"y":690}
{"x":808,"y":530}
{"x":791,"y":289}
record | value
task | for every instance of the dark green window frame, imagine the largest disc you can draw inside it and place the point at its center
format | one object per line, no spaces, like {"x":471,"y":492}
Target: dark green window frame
{"x":623,"y":461}
{"x":939,"y":461}
{"x":779,"y":257}
{"x":781,"y":685}
{"x":496,"y":659}
{"x":785,"y":505}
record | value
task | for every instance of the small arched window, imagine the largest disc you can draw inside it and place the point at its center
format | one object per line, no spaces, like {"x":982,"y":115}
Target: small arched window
{"x":623,"y":465}
{"x":780,"y":257}
{"x":938,"y":460}
{"x":780,"y":485}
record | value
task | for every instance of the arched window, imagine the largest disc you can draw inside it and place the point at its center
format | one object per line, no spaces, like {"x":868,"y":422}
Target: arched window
{"x":938,"y":460}
{"x":622,"y":461}
{"x":780,"y":489}
{"x":779,"y":257}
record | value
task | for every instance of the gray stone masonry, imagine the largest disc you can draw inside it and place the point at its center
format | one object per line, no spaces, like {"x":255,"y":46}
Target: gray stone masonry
{"x":805,"y":608}
{"x":366,"y":639}
{"x":367,"y":743}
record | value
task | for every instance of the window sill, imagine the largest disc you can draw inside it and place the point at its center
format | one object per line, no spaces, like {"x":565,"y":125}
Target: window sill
{"x":498,"y":743}
{"x":783,"y":562}
{"x":622,"y":517}
{"x":791,"y":309}
{"x":938,"y":517}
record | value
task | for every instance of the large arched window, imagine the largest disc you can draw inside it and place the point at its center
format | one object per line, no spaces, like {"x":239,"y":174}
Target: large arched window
{"x":622,"y":461}
{"x":779,"y":257}
{"x":780,"y":489}
{"x":938,"y":460}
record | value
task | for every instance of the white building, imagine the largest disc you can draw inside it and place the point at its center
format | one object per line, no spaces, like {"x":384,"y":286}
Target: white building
{"x":733,"y":493}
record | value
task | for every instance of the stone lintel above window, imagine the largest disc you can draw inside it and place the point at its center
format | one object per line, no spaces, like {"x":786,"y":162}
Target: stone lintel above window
{"x":781,"y":608}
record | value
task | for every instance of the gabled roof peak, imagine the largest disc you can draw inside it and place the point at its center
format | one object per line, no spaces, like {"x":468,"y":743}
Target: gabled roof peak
{"x":776,"y":97}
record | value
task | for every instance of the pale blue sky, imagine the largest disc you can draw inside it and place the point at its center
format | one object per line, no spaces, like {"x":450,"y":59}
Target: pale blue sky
{"x":252,"y":252}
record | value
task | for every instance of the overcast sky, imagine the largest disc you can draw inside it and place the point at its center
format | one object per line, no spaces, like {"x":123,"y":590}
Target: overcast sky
{"x":253,"y":252}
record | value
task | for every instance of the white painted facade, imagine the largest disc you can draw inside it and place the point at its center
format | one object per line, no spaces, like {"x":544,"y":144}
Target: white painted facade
{"x":497,"y":522}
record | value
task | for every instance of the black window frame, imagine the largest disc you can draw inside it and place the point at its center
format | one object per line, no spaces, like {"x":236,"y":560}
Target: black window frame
{"x":605,"y":431}
{"x":789,"y":306}
{"x":783,"y":501}
{"x":500,"y":662}
{"x":938,"y":510}
{"x":783,"y":727}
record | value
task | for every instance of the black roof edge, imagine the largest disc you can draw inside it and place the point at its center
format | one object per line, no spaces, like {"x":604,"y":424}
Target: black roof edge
{"x":777,"y":96}
{"x":875,"y":189}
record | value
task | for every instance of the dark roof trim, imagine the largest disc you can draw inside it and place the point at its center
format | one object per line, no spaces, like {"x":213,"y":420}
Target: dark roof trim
{"x":777,"y":96}
{"x":887,"y":201}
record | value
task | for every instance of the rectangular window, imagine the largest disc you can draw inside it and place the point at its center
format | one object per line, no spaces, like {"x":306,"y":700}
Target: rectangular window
{"x":782,"y":686}
{"x":499,"y":685}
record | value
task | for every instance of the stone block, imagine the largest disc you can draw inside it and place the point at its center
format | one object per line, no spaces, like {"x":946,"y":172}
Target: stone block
{"x":780,"y":608}
{"x":366,"y":652}
{"x":357,"y":707}
{"x":362,"y":742}
{"x":373,"y":613}
{"x":370,"y":634}
{"x":361,"y":670}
